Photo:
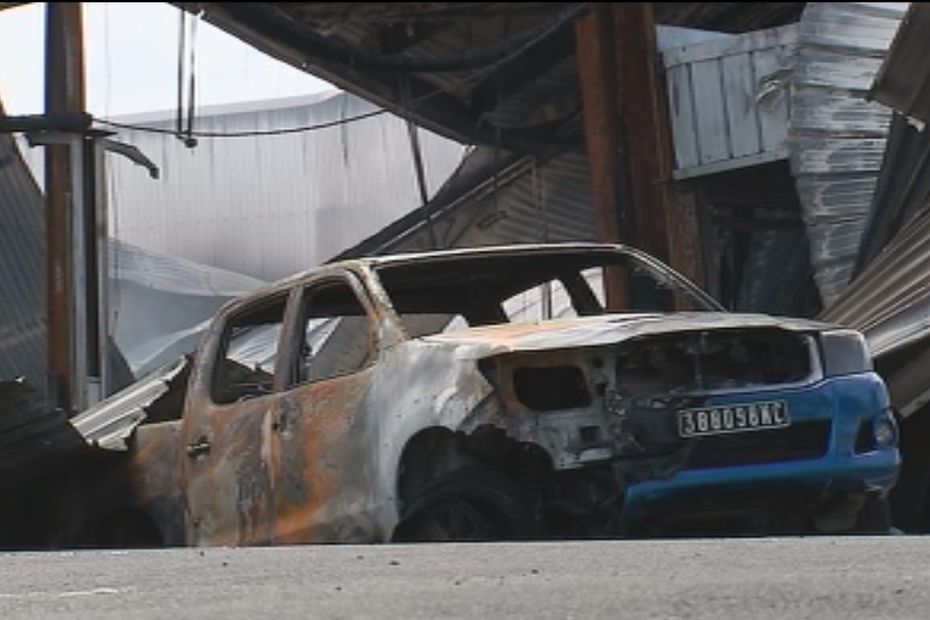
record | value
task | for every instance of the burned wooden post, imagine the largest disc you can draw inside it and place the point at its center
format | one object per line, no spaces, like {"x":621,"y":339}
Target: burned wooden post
{"x":598,"y":80}
{"x":628,"y":139}
{"x":665,"y":217}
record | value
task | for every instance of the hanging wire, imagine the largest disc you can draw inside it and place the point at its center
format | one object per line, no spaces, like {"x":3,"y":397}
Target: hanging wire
{"x":189,"y":140}
{"x":187,"y":47}
{"x":108,"y":67}
{"x":475,"y":77}
{"x":240,"y":134}
{"x":182,"y":40}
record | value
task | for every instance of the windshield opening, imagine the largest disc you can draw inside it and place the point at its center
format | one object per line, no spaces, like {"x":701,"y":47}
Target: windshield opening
{"x":443,"y":293}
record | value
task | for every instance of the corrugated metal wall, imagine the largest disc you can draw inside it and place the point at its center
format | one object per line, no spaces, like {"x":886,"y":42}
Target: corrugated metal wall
{"x":836,"y":137}
{"x":525,"y":202}
{"x":270,"y":206}
{"x":23,"y":340}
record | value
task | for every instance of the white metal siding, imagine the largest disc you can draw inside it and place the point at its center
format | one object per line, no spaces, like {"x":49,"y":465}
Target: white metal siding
{"x":726,"y":100}
{"x":273,"y":205}
{"x":23,"y":332}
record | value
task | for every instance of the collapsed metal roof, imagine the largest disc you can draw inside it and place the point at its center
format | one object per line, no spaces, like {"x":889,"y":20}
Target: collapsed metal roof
{"x":494,"y":73}
{"x":837,"y":137}
{"x":890,"y":297}
{"x":493,"y":198}
{"x":897,"y":84}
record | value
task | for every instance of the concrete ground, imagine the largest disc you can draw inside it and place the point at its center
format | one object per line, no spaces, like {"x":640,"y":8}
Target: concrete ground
{"x":819,"y":577}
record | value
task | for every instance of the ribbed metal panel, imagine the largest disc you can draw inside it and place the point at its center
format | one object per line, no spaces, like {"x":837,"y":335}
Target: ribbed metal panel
{"x":903,"y":186}
{"x":837,"y":138}
{"x":559,"y":83}
{"x":898,"y":84}
{"x":524,"y":202}
{"x":273,"y":205}
{"x":552,"y":203}
{"x":23,"y":340}
{"x":476,"y":27}
{"x":889,"y":301}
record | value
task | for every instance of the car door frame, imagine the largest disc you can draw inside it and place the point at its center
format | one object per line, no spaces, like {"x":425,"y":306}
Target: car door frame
{"x":313,"y":434}
{"x":224,"y":454}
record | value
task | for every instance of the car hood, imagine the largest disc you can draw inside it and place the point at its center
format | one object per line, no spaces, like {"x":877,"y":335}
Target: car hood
{"x":605,"y":329}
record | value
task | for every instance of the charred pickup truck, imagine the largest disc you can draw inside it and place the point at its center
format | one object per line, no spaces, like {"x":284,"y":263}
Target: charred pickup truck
{"x":483,"y":394}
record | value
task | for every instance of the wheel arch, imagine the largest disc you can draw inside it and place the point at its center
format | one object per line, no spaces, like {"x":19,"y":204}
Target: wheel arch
{"x":126,"y":526}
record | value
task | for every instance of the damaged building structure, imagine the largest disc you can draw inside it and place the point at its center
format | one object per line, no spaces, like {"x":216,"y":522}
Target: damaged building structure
{"x":737,"y":142}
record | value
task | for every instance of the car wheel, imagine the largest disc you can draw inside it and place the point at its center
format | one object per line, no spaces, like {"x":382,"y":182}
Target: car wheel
{"x":466,"y":505}
{"x":874,"y":516}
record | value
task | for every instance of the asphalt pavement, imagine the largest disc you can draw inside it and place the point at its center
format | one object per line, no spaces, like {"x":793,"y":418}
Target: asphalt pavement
{"x":817,"y":577}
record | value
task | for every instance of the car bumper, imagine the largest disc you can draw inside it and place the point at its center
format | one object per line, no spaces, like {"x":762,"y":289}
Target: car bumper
{"x":844,"y":468}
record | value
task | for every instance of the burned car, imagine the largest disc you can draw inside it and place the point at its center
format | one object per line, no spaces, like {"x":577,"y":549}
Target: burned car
{"x":485,"y":394}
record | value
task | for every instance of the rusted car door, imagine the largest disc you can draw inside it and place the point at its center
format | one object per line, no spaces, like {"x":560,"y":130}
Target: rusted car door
{"x":321,"y":440}
{"x":227,"y":427}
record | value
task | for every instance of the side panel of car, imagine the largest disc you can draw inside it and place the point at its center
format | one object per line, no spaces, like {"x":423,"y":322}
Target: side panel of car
{"x":321,"y":437}
{"x":225,"y":451}
{"x":289,"y":465}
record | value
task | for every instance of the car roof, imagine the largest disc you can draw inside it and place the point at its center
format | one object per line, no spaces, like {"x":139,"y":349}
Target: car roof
{"x":489,"y":251}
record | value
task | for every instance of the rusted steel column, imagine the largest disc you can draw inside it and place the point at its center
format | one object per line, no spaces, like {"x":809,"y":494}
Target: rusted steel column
{"x":666,"y":223}
{"x":597,"y":73}
{"x":64,"y":93}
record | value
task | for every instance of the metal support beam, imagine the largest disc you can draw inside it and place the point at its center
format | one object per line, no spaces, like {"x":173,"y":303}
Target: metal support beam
{"x":76,"y":221}
{"x":594,"y":41}
{"x":64,"y":95}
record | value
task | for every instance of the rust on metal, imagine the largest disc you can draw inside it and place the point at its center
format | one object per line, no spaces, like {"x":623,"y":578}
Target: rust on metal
{"x":665,"y":213}
{"x":638,"y":96}
{"x":64,"y":92}
{"x":597,"y":77}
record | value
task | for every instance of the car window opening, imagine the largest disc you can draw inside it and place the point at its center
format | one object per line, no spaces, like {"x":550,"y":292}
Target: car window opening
{"x":436,"y":296}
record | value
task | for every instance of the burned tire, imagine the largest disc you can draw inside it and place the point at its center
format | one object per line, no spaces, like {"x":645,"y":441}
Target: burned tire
{"x":874,"y":517}
{"x":466,"y":505}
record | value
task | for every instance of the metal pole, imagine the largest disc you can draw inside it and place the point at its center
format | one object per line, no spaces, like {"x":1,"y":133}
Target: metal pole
{"x":64,"y":94}
{"x":102,"y":239}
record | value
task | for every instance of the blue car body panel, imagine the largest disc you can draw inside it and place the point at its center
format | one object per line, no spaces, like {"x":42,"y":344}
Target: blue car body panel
{"x":846,"y":402}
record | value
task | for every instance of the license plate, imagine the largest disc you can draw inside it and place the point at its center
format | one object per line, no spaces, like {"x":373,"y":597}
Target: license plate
{"x":733,"y":418}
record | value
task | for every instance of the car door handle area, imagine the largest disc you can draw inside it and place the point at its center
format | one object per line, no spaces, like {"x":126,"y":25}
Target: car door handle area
{"x":201,"y":446}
